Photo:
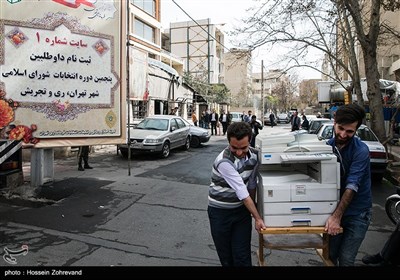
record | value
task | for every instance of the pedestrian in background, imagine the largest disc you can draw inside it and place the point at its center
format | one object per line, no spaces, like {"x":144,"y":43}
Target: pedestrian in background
{"x":213,"y":119}
{"x":83,"y":155}
{"x":255,"y":127}
{"x":305,"y":124}
{"x":194,"y":118}
{"x":248,"y":119}
{"x":206,"y":119}
{"x":231,"y":197}
{"x":353,"y":211}
{"x":295,"y":121}
{"x":224,"y":120}
{"x":272,"y":119}
{"x":244,"y":117}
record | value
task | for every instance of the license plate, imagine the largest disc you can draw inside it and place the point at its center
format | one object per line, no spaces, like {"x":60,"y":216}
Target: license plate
{"x":137,"y":145}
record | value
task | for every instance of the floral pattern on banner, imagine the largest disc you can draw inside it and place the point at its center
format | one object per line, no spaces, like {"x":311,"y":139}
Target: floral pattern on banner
{"x":60,"y":111}
{"x":11,"y":131}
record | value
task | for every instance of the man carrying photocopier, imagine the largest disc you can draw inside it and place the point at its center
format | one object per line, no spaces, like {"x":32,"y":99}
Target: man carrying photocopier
{"x":353,"y":212}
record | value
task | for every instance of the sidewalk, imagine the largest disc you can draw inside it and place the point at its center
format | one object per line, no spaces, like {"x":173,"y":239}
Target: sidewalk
{"x":393,"y":169}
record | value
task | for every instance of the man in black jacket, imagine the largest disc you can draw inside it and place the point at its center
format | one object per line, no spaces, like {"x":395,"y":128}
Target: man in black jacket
{"x":255,"y":127}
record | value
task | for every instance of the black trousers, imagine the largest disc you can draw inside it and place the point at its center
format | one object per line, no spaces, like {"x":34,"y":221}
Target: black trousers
{"x":391,"y":250}
{"x":83,"y":154}
{"x":231,"y":232}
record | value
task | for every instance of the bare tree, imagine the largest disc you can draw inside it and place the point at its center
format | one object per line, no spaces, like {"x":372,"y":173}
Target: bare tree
{"x":283,"y":95}
{"x":308,"y":92}
{"x":368,"y":31}
{"x":331,"y":27}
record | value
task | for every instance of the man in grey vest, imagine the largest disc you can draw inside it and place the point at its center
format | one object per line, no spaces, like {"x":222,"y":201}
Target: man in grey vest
{"x":231,"y":197}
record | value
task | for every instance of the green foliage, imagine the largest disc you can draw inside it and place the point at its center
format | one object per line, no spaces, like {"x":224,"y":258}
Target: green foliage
{"x":217,"y":93}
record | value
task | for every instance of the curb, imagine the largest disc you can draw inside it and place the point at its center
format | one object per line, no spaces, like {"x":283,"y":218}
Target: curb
{"x":393,"y":169}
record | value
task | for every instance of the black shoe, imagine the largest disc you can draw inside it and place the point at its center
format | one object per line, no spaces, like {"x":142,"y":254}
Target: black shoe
{"x":80,"y":168}
{"x":373,"y":259}
{"x":88,"y":167}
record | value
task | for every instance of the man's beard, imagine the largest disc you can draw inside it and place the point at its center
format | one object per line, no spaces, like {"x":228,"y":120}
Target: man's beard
{"x":342,"y":141}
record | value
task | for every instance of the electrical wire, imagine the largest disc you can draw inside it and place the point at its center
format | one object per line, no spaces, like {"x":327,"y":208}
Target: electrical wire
{"x":200,"y":26}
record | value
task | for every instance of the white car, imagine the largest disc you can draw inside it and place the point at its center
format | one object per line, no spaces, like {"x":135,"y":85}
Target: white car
{"x":377,"y":151}
{"x":158,"y":134}
{"x":283,"y":118}
{"x":316,"y":123}
{"x":198,"y":135}
{"x":236,"y":116}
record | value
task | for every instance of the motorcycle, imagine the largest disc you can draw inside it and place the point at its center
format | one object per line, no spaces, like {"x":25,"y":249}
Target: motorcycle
{"x":392,"y":206}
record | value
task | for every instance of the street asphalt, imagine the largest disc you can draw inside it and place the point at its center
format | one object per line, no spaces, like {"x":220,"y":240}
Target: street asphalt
{"x":112,"y":217}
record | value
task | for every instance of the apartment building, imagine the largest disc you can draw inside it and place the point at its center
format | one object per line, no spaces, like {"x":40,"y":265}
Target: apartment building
{"x":388,"y":52}
{"x":238,"y":78}
{"x":155,"y":83}
{"x":200,"y":44}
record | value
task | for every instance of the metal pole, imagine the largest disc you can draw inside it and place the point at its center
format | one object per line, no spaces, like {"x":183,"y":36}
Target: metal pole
{"x":262,"y":90}
{"x":128,"y":87}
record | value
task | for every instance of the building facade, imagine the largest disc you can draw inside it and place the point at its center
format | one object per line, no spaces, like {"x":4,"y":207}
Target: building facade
{"x":238,"y":72}
{"x":155,"y":83}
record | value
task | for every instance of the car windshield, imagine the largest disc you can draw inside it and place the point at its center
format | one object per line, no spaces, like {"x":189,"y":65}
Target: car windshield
{"x":316,"y":124}
{"x":153,"y":124}
{"x":366,"y":134}
{"x":363,"y":132}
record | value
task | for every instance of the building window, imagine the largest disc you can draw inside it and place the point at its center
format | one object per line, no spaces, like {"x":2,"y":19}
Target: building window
{"x":139,"y":109}
{"x":149,"y":6}
{"x":160,"y":107}
{"x":144,"y":31}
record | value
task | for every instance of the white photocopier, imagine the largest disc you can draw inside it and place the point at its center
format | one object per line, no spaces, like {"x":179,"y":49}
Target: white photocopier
{"x":300,"y":180}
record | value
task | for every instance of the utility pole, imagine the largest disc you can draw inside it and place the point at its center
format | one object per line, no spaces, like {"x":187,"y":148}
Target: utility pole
{"x":262,"y":90}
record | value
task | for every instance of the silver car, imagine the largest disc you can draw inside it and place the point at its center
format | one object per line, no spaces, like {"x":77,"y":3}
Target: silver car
{"x":377,"y":151}
{"x":198,"y":135}
{"x":316,"y":123}
{"x":158,"y":134}
{"x":283,"y":118}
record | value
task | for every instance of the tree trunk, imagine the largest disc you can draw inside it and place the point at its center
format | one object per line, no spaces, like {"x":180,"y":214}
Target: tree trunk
{"x":374,"y":92}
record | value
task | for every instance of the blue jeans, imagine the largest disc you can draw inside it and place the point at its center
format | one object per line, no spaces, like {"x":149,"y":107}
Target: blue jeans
{"x":231,"y":232}
{"x":343,"y":248}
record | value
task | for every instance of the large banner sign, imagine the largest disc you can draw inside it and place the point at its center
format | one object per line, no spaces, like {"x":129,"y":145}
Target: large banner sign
{"x":60,"y":78}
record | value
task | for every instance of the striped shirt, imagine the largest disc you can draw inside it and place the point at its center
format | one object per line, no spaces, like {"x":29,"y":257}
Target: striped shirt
{"x":231,"y":178}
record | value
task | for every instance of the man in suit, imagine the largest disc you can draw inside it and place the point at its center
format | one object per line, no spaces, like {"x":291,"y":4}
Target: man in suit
{"x":295,"y":121}
{"x":213,"y":117}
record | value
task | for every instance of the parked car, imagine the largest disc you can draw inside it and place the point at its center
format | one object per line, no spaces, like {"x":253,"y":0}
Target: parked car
{"x":283,"y":118}
{"x":267,"y":120}
{"x":236,"y":116}
{"x":158,"y":134}
{"x":316,"y":123}
{"x":377,"y":151}
{"x":198,"y":135}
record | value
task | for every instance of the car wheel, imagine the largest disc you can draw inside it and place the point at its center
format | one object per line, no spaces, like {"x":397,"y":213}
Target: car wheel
{"x":195,"y":142}
{"x":165,"y":150}
{"x":124,"y":152}
{"x":187,"y":144}
{"x":392,"y":207}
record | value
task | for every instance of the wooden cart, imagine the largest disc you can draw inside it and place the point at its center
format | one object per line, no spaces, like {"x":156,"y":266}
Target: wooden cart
{"x":300,"y":238}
